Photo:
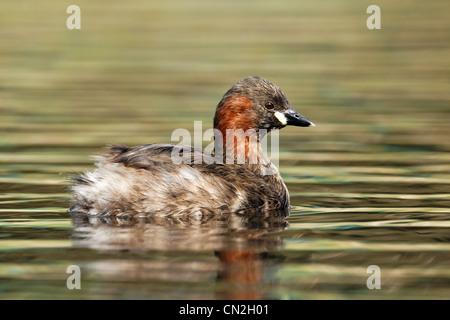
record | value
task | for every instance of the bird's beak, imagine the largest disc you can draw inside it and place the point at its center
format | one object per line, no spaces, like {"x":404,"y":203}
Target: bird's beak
{"x":290,"y":117}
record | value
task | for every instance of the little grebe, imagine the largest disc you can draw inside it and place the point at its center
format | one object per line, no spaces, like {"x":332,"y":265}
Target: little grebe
{"x":145,"y":180}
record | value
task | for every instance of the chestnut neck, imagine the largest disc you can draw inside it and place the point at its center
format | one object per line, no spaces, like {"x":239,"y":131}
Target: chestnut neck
{"x":237,"y":135}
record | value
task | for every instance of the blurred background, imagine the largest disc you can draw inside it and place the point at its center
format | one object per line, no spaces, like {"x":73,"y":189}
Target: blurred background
{"x":136,"y":71}
{"x":373,"y":175}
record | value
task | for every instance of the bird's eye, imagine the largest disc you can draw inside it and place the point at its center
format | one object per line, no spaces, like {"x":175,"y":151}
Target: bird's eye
{"x":269,"y":105}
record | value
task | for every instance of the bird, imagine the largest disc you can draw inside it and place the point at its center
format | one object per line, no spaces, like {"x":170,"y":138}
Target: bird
{"x":150,"y":180}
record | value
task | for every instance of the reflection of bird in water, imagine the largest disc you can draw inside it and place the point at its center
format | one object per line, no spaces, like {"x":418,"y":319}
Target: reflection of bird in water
{"x":155,"y":180}
{"x":230,"y":231}
{"x":240,"y":243}
{"x":245,"y":268}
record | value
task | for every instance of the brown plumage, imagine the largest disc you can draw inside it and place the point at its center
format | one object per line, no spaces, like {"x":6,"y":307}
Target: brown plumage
{"x":144,"y":180}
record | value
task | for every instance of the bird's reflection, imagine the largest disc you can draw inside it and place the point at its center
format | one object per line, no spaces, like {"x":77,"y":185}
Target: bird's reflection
{"x":240,"y":246}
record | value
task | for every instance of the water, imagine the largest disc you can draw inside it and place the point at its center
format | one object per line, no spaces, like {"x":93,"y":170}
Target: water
{"x":369,"y":185}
